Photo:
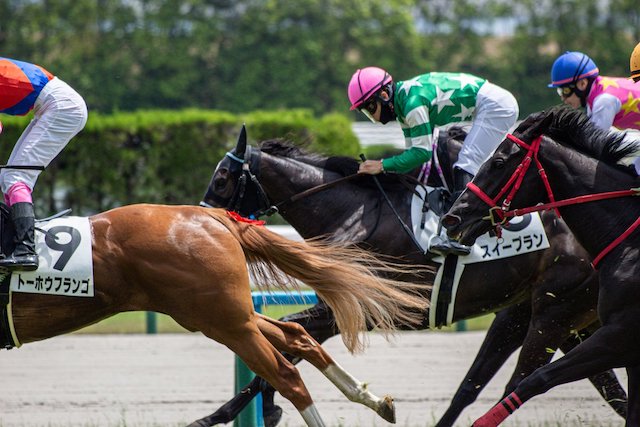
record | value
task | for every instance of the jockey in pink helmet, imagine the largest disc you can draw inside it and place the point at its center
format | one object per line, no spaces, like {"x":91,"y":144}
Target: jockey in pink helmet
{"x":365,"y":85}
{"x":426,"y":102}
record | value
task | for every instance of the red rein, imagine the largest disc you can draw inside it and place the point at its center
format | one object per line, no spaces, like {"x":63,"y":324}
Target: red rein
{"x":499,"y":215}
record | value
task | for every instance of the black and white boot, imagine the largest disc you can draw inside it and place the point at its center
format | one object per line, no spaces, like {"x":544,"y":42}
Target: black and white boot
{"x":443,"y":245}
{"x":24,"y":255}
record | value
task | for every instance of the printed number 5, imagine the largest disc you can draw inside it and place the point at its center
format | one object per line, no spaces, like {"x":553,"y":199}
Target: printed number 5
{"x":67,"y":248}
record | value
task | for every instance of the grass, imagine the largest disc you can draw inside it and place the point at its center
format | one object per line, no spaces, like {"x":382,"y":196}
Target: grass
{"x":135,"y":322}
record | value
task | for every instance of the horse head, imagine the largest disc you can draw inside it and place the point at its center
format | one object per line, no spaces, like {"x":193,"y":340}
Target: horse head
{"x":467,"y":219}
{"x":235,"y":185}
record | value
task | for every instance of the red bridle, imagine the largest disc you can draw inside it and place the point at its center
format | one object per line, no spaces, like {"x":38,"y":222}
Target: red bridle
{"x":499,"y":215}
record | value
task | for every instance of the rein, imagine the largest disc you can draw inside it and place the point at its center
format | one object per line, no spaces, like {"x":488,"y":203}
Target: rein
{"x":246,"y":174}
{"x":404,"y":226}
{"x":313,"y":190}
{"x":499,"y":215}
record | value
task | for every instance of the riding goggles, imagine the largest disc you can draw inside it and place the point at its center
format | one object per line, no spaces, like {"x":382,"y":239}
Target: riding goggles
{"x":565,"y":91}
{"x":369,"y":108}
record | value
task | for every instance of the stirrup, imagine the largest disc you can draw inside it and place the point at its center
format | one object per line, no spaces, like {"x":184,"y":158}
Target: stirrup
{"x":24,"y":263}
{"x":446,"y":247}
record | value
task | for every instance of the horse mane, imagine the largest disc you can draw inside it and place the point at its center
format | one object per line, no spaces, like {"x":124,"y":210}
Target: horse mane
{"x":573,"y":128}
{"x":289,"y":149}
{"x":341,"y":165}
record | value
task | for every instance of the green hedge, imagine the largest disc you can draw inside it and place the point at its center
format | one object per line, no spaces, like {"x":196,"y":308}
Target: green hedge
{"x":163,"y":156}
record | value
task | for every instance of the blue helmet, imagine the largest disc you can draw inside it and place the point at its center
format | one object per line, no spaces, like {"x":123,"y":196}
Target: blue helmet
{"x":571,"y":67}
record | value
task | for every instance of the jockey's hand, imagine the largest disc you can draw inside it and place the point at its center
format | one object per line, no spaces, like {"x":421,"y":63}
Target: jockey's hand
{"x":371,"y":167}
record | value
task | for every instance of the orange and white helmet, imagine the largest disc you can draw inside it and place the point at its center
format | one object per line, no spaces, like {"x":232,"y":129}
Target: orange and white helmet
{"x":634,"y":63}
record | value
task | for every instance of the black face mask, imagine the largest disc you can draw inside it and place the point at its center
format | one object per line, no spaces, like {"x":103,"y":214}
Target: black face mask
{"x":386,"y":113}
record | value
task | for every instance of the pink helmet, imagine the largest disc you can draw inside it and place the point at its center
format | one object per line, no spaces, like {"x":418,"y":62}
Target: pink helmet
{"x":365,"y":83}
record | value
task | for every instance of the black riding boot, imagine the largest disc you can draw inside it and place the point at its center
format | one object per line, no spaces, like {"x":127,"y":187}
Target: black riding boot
{"x":443,"y":244}
{"x":24,"y":255}
{"x":460,"y":180}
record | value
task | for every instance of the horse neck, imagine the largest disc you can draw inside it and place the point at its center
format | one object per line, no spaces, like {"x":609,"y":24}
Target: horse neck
{"x":570,"y":173}
{"x":282,"y":178}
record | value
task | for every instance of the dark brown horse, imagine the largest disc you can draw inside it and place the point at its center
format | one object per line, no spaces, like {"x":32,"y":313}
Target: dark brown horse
{"x":562,"y":159}
{"x":191,"y":263}
{"x":541,"y":298}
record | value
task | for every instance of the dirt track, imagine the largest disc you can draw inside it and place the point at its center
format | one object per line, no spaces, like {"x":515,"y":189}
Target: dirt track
{"x":171,"y":380}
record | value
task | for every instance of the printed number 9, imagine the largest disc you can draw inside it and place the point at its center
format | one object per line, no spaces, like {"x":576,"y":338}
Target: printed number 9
{"x":67,"y":248}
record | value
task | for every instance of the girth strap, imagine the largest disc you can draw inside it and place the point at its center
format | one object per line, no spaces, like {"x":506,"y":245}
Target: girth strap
{"x":445,"y":293}
{"x":6,"y":338}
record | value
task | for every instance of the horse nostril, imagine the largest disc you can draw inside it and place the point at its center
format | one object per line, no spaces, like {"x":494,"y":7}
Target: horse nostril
{"x":450,"y":220}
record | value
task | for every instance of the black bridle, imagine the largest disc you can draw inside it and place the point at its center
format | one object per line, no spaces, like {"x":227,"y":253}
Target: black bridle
{"x":245,"y":178}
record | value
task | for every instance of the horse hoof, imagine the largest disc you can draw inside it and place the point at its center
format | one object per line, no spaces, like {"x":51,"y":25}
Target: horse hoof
{"x":272,"y":418}
{"x":387,"y":410}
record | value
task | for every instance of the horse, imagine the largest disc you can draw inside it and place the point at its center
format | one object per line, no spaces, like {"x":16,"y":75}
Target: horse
{"x":541,"y":298}
{"x":190,"y":263}
{"x":580,"y":171}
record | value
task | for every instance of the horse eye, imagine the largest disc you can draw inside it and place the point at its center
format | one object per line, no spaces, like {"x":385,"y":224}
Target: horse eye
{"x":498,"y":163}
{"x":220,"y":183}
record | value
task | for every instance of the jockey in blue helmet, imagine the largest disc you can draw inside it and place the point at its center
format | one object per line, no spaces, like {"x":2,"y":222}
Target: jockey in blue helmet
{"x":573,"y":73}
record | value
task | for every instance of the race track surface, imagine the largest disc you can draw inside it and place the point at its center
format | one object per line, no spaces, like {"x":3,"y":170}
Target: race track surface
{"x":172,"y":380}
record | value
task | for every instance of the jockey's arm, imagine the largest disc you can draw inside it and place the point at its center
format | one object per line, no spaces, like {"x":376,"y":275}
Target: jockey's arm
{"x":604,"y":109}
{"x":407,"y":160}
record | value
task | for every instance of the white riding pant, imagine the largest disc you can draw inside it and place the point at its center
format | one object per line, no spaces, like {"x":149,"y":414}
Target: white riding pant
{"x":496,"y":112}
{"x":59,"y":114}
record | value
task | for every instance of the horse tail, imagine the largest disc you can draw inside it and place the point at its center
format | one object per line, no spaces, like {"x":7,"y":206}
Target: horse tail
{"x":348,"y":279}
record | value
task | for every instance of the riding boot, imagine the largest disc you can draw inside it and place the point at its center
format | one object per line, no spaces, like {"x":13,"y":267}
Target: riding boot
{"x":443,"y":244}
{"x":24,"y":255}
{"x":460,"y":180}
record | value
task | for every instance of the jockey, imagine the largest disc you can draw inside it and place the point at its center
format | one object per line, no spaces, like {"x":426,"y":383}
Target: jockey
{"x":425,"y":102}
{"x":59,"y":114}
{"x":634,"y":64}
{"x":610,"y":101}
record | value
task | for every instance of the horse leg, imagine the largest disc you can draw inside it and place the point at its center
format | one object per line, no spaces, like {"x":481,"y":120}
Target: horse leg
{"x":505,"y":335}
{"x":261,"y":357}
{"x":633,"y":378}
{"x":319,"y":323}
{"x":606,"y":382}
{"x":613,"y":345}
{"x":293,"y":339}
{"x":537,"y":351}
{"x":547,"y":330}
{"x":230,"y":410}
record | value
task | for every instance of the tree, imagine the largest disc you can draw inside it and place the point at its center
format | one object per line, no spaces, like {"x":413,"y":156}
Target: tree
{"x":282,"y":54}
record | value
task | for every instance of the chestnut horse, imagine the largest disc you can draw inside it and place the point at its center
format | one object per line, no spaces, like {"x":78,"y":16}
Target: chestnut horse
{"x":541,"y":298}
{"x":563,"y":160}
{"x":191,"y":263}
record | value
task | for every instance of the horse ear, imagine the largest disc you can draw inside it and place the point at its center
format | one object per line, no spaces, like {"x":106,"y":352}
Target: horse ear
{"x":542,"y":122}
{"x":241,"y":146}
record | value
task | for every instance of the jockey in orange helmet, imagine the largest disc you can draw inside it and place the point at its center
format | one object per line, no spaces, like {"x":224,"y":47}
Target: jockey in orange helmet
{"x":634,"y":64}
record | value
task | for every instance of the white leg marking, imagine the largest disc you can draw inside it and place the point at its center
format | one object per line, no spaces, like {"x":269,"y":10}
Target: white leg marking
{"x":311,"y":416}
